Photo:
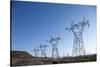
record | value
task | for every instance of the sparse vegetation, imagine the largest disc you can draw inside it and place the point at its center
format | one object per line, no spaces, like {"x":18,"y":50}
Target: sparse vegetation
{"x":22,"y":58}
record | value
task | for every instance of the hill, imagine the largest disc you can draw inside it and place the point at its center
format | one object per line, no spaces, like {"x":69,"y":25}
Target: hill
{"x":19,"y":56}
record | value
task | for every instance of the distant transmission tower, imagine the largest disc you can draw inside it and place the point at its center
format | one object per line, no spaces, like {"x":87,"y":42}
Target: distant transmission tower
{"x":54,"y":42}
{"x":36,"y":52}
{"x":78,"y":44}
{"x":43,"y":50}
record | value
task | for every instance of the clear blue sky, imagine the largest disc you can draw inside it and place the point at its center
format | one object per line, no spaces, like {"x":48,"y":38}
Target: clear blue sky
{"x":34,"y":22}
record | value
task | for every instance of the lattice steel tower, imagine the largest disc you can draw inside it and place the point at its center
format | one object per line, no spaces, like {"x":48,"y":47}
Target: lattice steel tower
{"x":43,"y":50}
{"x":54,"y":42}
{"x":36,"y":52}
{"x":78,"y":44}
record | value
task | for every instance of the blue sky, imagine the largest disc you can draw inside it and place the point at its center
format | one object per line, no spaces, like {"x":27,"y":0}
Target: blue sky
{"x":34,"y":22}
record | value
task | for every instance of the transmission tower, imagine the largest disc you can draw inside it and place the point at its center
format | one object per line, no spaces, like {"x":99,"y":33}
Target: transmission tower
{"x":36,"y":52}
{"x":43,"y":49}
{"x":54,"y":42}
{"x":78,"y":44}
{"x":45,"y":46}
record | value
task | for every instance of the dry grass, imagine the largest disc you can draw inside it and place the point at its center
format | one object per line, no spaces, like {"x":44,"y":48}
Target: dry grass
{"x":23,"y":58}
